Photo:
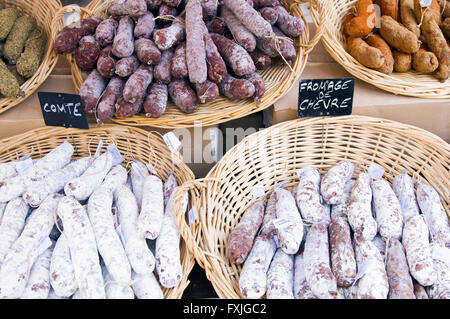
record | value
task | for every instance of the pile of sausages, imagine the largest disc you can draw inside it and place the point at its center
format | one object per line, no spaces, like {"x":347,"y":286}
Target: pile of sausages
{"x":150,"y":51}
{"x":340,"y":236}
{"x":86,"y":228}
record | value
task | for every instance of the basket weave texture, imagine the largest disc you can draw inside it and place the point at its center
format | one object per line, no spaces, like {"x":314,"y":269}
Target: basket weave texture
{"x":278,"y":78}
{"x":330,"y":15}
{"x":276,"y":153}
{"x":43,"y":11}
{"x":133,"y":144}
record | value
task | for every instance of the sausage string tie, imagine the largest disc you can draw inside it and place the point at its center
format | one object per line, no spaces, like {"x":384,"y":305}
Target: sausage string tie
{"x":277,"y":39}
{"x":169,"y":17}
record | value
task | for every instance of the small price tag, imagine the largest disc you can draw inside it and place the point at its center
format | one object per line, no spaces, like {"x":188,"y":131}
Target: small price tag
{"x":425,"y":3}
{"x":258,"y":192}
{"x":116,"y":154}
{"x":172,"y":142}
{"x":60,"y":109}
{"x":192,"y":215}
{"x":299,"y":173}
{"x":42,"y":244}
{"x":152,"y":169}
{"x":277,"y":243}
{"x":23,"y":165}
{"x":325,"y":97}
{"x":137,"y":168}
{"x":279,"y":185}
{"x":68,"y":254}
{"x":99,"y":147}
{"x":281,"y":223}
{"x":375,"y":171}
{"x":24,"y":157}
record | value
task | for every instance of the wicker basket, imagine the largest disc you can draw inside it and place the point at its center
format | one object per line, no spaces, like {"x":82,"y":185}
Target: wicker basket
{"x":279,"y":79}
{"x":330,"y":15}
{"x":43,"y":11}
{"x":133,"y":143}
{"x":276,"y":153}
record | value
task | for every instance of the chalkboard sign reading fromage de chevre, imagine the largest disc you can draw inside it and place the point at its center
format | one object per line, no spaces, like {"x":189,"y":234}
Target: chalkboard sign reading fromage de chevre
{"x":61,"y":109}
{"x":325,"y":97}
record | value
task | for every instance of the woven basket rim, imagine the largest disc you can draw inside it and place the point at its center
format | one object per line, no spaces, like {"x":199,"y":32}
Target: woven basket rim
{"x":410,"y":83}
{"x":43,"y":140}
{"x":216,"y":198}
{"x":205,"y":114}
{"x":48,"y":62}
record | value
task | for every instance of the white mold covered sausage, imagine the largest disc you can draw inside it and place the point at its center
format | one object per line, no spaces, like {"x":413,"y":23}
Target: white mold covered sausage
{"x":152,"y":208}
{"x":280,"y":276}
{"x":146,"y":286}
{"x":333,"y":182}
{"x":302,"y":290}
{"x":403,"y":187}
{"x":139,"y":255}
{"x":17,"y":264}
{"x":62,"y":276}
{"x":83,"y":248}
{"x":82,"y":187}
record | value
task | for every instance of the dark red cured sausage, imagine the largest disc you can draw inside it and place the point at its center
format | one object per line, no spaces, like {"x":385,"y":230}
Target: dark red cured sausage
{"x":195,"y":43}
{"x":207,"y":91}
{"x":126,"y":66}
{"x":87,"y":53}
{"x":106,"y":63}
{"x":269,"y":46}
{"x":123,"y":44}
{"x":262,"y":61}
{"x":162,"y":69}
{"x":288,"y":24}
{"x":240,"y":33}
{"x":68,"y":38}
{"x":167,"y":37}
{"x":172,"y":3}
{"x":153,"y":4}
{"x":106,"y":107}
{"x":137,"y":84}
{"x":105,"y":32}
{"x":235,"y":55}
{"x":147,"y":52}
{"x":270,"y":14}
{"x":264,"y":3}
{"x":183,"y":95}
{"x":178,"y":68}
{"x":144,"y":26}
{"x":209,"y":8}
{"x":125,"y":109}
{"x":91,"y":90}
{"x":258,"y":83}
{"x":132,"y":8}
{"x":156,"y":101}
{"x":165,"y":12}
{"x":236,"y":89}
{"x":240,"y":240}
{"x":217,"y":69}
{"x":216,"y":25}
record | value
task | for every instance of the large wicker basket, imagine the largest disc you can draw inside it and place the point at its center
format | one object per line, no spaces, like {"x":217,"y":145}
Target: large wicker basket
{"x":43,"y":11}
{"x":279,"y":79}
{"x":330,"y":15}
{"x":275,"y":154}
{"x":133,"y":143}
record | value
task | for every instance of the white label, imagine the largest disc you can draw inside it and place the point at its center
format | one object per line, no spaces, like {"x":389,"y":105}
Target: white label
{"x":258,"y":192}
{"x":116,"y":154}
{"x":152,"y":169}
{"x":68,"y":254}
{"x":42,"y":244}
{"x":120,"y":234}
{"x":23,"y":165}
{"x":279,"y":185}
{"x":376,"y":171}
{"x":192,"y":215}
{"x":137,"y":168}
{"x":99,"y":147}
{"x":172,"y":142}
{"x":281,"y":223}
{"x":425,"y":3}
{"x":24,"y":157}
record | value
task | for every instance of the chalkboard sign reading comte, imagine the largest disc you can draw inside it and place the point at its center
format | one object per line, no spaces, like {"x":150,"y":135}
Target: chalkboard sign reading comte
{"x":60,"y":109}
{"x":325,"y":97}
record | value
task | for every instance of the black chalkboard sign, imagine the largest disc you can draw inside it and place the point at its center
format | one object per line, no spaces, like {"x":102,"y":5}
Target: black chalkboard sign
{"x":325,"y":97}
{"x":60,"y":109}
